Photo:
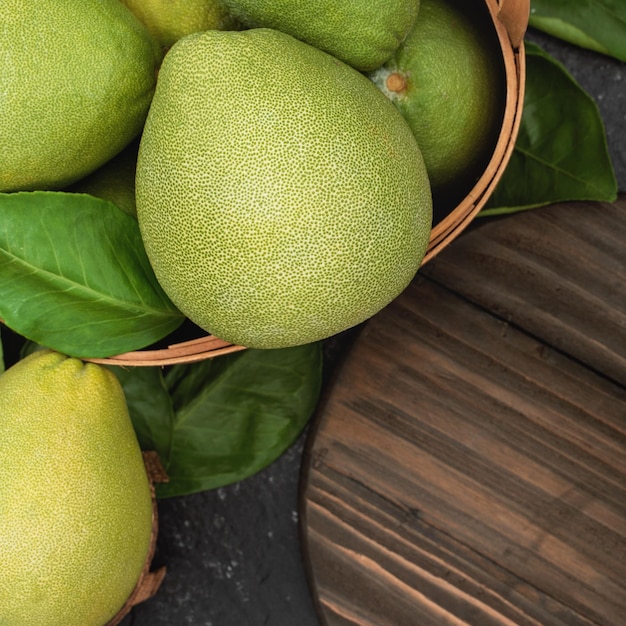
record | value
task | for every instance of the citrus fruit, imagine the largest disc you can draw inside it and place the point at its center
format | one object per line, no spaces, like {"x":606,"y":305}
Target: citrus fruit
{"x":113,"y":181}
{"x":447,"y":80}
{"x":363,"y":33}
{"x":281,"y":197}
{"x":170,"y":20}
{"x":76,"y":79}
{"x":76,"y":505}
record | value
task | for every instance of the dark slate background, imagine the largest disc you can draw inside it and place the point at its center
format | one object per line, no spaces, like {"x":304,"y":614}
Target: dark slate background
{"x":233,"y":555}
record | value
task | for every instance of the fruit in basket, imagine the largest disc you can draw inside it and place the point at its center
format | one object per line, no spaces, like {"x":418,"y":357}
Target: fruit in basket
{"x":170,"y":20}
{"x":447,"y":80}
{"x":114,"y":181}
{"x":281,"y":197}
{"x":76,"y":78}
{"x":362,"y":33}
{"x":76,"y":507}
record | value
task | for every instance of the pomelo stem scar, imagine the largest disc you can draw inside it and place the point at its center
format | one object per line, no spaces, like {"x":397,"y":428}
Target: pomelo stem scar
{"x":396,"y":82}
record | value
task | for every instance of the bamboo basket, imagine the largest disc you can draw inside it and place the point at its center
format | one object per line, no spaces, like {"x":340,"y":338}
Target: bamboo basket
{"x":510,"y":20}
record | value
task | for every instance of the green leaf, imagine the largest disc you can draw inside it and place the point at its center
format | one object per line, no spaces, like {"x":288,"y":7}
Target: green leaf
{"x":598,"y":25}
{"x":561,"y":150}
{"x":221,"y":420}
{"x":74,"y":276}
{"x":149,"y":405}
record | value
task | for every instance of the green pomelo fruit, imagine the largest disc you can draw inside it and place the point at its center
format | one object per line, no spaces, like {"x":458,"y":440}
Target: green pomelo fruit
{"x":447,"y":79}
{"x":281,"y":197}
{"x":75,"y":500}
{"x":114,"y":181}
{"x":170,"y":20}
{"x":77,"y":78}
{"x":363,"y":33}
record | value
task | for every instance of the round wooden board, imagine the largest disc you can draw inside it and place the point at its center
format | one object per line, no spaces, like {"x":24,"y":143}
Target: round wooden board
{"x":468,"y":463}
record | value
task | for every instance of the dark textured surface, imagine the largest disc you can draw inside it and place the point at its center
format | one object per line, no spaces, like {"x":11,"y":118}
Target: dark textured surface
{"x":233,"y":555}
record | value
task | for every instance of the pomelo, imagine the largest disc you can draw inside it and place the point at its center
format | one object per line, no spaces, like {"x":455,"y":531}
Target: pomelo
{"x":75,"y":500}
{"x":114,"y":181}
{"x":363,"y":33}
{"x":76,"y":79}
{"x":447,"y":79}
{"x":281,"y":197}
{"x":170,"y":20}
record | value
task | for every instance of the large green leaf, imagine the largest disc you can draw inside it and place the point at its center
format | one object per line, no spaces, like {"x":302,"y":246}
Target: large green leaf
{"x":598,"y":25}
{"x":221,"y":420}
{"x":561,"y":151}
{"x":149,"y":405}
{"x":74,"y":276}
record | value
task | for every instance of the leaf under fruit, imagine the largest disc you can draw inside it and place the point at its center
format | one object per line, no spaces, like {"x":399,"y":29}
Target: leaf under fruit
{"x":219,"y":421}
{"x":74,"y":276}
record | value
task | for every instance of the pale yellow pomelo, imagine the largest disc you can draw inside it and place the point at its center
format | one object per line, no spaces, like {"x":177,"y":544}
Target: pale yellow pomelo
{"x":447,"y":79}
{"x":76,"y":79}
{"x":75,"y":501}
{"x":281,"y":197}
{"x":363,"y":33}
{"x":170,"y":20}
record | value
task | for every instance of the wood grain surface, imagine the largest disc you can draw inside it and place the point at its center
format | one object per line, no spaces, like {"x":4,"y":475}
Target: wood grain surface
{"x":468,"y":464}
